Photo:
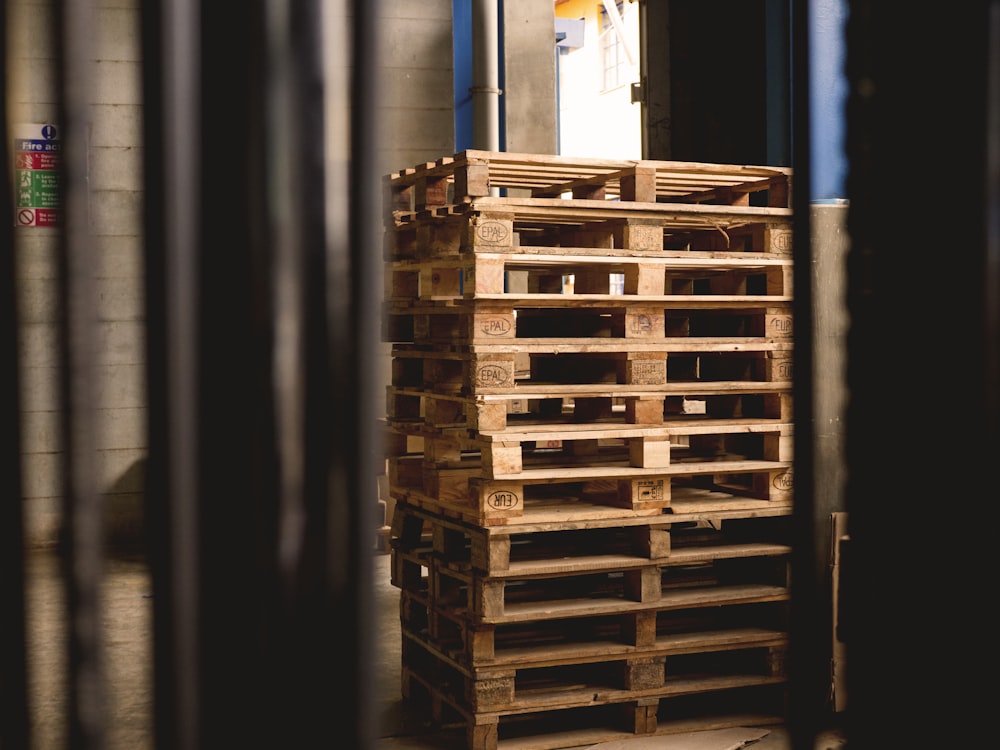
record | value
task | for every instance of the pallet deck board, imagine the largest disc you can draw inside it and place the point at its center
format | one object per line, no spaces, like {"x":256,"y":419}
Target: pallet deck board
{"x":474,"y":172}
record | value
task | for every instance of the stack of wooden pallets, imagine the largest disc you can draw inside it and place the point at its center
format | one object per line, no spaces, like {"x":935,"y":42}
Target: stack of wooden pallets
{"x":590,"y":444}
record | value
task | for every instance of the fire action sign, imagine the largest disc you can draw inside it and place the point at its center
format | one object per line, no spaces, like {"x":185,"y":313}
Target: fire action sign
{"x":37,"y":151}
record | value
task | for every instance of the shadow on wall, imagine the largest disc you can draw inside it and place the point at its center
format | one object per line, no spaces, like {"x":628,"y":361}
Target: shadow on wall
{"x":124,"y":503}
{"x":124,"y":506}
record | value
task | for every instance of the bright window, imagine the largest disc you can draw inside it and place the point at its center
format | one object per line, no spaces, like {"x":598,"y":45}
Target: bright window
{"x":613,"y":59}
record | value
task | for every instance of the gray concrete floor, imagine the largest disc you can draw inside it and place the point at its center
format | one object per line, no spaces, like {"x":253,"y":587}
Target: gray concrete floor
{"x":128,"y":650}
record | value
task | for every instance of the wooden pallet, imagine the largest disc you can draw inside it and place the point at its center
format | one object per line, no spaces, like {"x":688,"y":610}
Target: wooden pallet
{"x":475,"y":173}
{"x":571,"y":367}
{"x":510,"y":451}
{"x":420,"y":413}
{"x":503,"y":497}
{"x":524,"y":321}
{"x":556,"y":548}
{"x":586,"y":228}
{"x":682,"y":706}
{"x":590,"y":444}
{"x":690,"y":578}
{"x":567,"y":680}
{"x":575,"y":279}
{"x":722,"y":616}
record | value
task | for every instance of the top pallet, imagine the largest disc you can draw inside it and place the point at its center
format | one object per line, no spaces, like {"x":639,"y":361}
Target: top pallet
{"x":474,"y":174}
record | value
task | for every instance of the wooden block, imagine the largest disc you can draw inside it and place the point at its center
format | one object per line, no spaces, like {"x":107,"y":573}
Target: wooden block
{"x":644,"y":322}
{"x":639,"y":234}
{"x":486,"y":276}
{"x":776,"y":658}
{"x":644,"y":716}
{"x":489,"y":415}
{"x":643,"y":585}
{"x":440,"y":451}
{"x":487,"y":597}
{"x":480,"y":644}
{"x":644,"y":410}
{"x":644,"y":279}
{"x":779,"y":280}
{"x":778,"y":447}
{"x":493,"y":371}
{"x":449,"y":484}
{"x":397,"y":199}
{"x":646,"y":368}
{"x":494,"y":325}
{"x":492,"y":232}
{"x":483,"y":736}
{"x":658,"y":542}
{"x":405,"y":472}
{"x":440,"y":282}
{"x":778,"y":325}
{"x":490,"y":552}
{"x":495,"y":691}
{"x":442,"y":411}
{"x":645,"y":674}
{"x":639,"y":184}
{"x":498,"y":498}
{"x":649,"y":452}
{"x":639,"y":629}
{"x":429,"y":192}
{"x":779,"y":367}
{"x":502,"y":458}
{"x":472,"y":181}
{"x":438,"y":239}
{"x":776,"y":486}
{"x":779,"y":192}
{"x":778,"y":240}
{"x":644,"y":493}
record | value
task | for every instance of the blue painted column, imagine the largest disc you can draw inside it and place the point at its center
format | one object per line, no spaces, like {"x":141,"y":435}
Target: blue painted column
{"x":828,"y":87}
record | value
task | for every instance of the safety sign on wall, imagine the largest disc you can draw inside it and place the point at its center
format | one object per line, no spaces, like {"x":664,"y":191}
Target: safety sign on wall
{"x":37,"y":151}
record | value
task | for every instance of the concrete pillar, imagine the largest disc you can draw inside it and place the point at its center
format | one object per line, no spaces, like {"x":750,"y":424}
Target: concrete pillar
{"x":529,"y":77}
{"x":829,"y":246}
{"x":485,"y":75}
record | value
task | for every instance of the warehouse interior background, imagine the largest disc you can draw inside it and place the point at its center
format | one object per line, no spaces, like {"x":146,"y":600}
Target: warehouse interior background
{"x":192,"y":356}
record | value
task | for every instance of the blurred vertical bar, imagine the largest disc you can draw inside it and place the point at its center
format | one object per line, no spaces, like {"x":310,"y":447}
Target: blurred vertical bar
{"x":171,"y":126}
{"x":83,"y":513}
{"x":807,"y":669}
{"x":262,"y":312}
{"x":366,"y":298}
{"x":992,"y":260}
{"x":14,"y":732}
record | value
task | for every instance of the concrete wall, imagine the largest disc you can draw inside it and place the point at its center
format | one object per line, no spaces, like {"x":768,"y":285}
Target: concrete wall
{"x":417,"y":97}
{"x":417,"y":103}
{"x":115,"y":155}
